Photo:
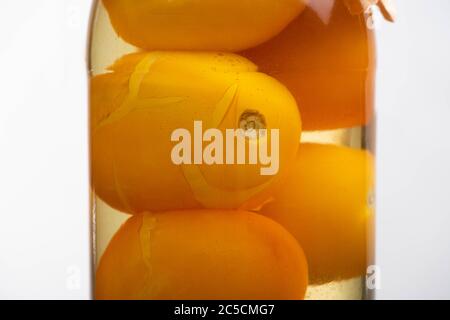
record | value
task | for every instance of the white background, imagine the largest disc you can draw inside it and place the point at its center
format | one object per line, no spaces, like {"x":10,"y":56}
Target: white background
{"x":44,"y":220}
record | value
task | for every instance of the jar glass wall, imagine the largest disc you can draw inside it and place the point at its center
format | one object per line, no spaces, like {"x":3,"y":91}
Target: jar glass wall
{"x":232,"y":149}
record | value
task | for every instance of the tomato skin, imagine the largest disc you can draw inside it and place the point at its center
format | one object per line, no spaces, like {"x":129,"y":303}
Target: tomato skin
{"x":202,"y":254}
{"x":160,"y":92}
{"x":326,"y":58}
{"x":207,"y":25}
{"x":324,"y":204}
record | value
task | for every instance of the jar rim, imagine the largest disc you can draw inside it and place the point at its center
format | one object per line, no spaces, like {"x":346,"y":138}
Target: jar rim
{"x":387,"y":7}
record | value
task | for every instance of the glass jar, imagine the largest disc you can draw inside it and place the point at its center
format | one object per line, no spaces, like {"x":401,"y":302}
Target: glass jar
{"x":232,"y":148}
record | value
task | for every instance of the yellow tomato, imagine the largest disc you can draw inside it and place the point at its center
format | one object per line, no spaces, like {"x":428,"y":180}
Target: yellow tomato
{"x":326,"y":58}
{"x":325,"y":204}
{"x":190,"y":255}
{"x":213,"y":25}
{"x":137,"y":107}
